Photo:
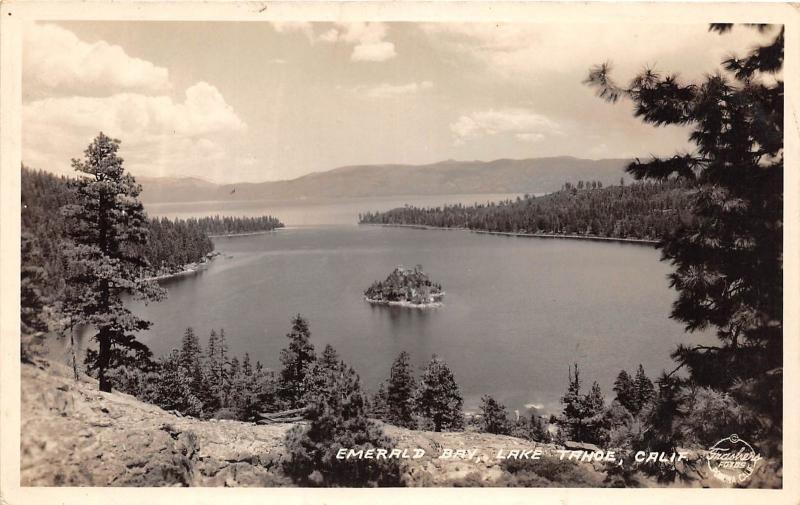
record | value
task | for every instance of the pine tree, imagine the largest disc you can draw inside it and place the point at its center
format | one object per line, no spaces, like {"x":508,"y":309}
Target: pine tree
{"x":172,"y":386}
{"x":494,"y":418}
{"x":338,"y":420}
{"x":643,"y":389}
{"x":329,"y":358}
{"x":234,"y":391}
{"x":247,"y":368}
{"x":379,"y":406}
{"x":573,"y":415}
{"x":596,"y":425}
{"x":32,"y":301}
{"x":106,"y":225}
{"x":438,"y":397}
{"x":223,"y":368}
{"x":191,"y":362}
{"x":211,"y":397}
{"x":297,"y":360}
{"x":728,"y":257}
{"x":400,"y":393}
{"x":626,"y":393}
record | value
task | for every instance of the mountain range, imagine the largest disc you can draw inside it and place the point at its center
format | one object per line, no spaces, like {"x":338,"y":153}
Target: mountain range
{"x":533,"y":175}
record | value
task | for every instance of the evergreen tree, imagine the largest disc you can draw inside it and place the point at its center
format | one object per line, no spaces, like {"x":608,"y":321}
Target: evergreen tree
{"x":494,"y":418}
{"x":172,"y":386}
{"x":582,"y":418}
{"x":572,"y":417}
{"x":106,"y":224}
{"x":247,"y":368}
{"x":223,"y":370}
{"x":438,"y":398}
{"x":663,"y":420}
{"x":596,"y":424}
{"x":260,"y":393}
{"x":379,"y":406}
{"x":191,"y":361}
{"x":329,"y":358}
{"x":626,"y":393}
{"x":338,"y":420}
{"x":297,"y":360}
{"x":643,"y":389}
{"x":212,"y":373}
{"x":234,"y":391}
{"x":728,"y":257}
{"x":400,"y":393}
{"x":33,"y":325}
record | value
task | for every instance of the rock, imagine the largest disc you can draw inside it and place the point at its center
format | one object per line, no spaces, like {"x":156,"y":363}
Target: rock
{"x":72,"y":435}
{"x":581,"y":446}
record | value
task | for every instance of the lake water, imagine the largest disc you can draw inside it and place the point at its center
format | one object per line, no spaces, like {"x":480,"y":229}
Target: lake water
{"x":517,"y":313}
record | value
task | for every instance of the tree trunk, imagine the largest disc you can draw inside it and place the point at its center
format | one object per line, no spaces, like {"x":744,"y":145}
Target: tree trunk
{"x":103,"y":358}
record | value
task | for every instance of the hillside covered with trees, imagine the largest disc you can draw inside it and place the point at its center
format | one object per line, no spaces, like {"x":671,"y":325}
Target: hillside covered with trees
{"x":172,"y":243}
{"x":645,"y":211}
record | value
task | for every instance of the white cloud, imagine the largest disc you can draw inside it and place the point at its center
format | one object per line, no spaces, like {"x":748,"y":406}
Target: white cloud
{"x":530,"y":137}
{"x":74,"y":89}
{"x":303,"y":27}
{"x":368,"y":40}
{"x":530,"y":50}
{"x":331,"y":36}
{"x":159,"y":135}
{"x":378,"y":51}
{"x":386,"y":90}
{"x":524,"y":124}
{"x":56,"y":61}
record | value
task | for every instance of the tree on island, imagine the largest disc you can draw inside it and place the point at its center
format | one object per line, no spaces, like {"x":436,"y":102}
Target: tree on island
{"x":297,"y":360}
{"x":494,"y":417}
{"x":105,"y":225}
{"x":728,"y":257}
{"x":438,"y":398}
{"x":400,"y":393}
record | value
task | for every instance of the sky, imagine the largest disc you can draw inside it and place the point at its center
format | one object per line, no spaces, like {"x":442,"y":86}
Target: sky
{"x":256,"y":101}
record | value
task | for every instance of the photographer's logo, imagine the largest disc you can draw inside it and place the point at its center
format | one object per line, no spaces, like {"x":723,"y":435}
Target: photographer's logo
{"x":732,"y":460}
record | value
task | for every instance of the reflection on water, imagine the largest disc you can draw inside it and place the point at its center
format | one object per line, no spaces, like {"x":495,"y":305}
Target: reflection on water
{"x":401,"y":316}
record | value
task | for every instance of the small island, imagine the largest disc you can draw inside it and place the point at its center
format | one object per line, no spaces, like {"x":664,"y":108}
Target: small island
{"x":406,"y":287}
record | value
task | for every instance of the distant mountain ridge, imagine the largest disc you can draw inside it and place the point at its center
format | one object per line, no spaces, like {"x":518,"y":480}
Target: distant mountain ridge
{"x":533,"y":175}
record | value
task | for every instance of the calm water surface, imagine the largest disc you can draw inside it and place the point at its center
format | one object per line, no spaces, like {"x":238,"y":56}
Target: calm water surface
{"x":517,"y":312}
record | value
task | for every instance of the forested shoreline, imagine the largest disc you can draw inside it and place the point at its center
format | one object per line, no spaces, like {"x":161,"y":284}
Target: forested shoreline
{"x":641,"y":211}
{"x":173,"y":245}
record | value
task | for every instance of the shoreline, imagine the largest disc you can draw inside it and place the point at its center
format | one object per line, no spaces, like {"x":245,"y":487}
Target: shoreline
{"x":596,"y":238}
{"x":187,"y":269}
{"x":246,"y":234}
{"x":432,"y":305}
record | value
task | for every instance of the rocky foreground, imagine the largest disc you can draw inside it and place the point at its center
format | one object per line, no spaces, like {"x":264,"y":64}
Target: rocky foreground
{"x":74,"y":435}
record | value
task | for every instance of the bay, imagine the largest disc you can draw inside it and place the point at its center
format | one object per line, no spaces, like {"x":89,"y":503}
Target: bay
{"x":517,"y":313}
